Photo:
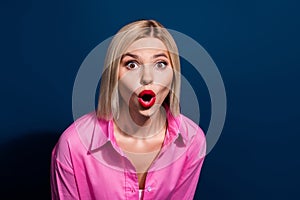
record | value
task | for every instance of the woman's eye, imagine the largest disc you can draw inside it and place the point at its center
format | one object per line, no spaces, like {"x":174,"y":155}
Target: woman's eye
{"x":132,"y":65}
{"x":161,"y":65}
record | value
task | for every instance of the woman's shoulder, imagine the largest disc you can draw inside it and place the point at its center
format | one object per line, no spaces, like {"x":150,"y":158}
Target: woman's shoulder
{"x":86,"y":122}
{"x":195,"y":136}
{"x":77,"y":137}
{"x":190,"y":130}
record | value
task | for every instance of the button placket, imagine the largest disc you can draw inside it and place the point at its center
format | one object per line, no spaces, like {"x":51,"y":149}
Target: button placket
{"x":149,"y":188}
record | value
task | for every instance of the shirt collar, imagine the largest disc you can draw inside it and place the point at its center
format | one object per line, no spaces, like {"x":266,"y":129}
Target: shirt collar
{"x":174,"y":128}
{"x":103,"y":131}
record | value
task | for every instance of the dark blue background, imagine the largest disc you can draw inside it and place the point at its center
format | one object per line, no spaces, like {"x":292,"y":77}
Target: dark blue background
{"x":255,"y":45}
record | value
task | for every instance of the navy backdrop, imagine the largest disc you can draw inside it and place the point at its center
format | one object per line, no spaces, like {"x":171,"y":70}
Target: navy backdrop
{"x":255,"y":45}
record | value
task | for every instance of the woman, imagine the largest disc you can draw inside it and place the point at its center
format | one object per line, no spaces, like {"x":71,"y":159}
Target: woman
{"x":136,"y":145}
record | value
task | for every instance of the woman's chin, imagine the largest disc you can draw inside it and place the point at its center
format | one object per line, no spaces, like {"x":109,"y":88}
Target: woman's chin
{"x":151,"y":111}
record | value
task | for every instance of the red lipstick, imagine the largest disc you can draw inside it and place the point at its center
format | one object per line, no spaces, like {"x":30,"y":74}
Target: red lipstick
{"x":147,"y":98}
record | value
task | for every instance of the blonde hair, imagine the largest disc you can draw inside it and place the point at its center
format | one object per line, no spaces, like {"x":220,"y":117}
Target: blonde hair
{"x":108,"y":103}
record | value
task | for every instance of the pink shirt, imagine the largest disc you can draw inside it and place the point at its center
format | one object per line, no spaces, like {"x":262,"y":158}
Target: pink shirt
{"x":88,"y":164}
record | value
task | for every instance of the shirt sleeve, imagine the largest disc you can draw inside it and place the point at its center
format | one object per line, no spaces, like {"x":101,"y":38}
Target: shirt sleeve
{"x":63,"y":182}
{"x":186,"y":185}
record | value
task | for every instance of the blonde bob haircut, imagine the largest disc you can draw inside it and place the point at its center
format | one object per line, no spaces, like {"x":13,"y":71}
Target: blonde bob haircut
{"x":108,"y":104}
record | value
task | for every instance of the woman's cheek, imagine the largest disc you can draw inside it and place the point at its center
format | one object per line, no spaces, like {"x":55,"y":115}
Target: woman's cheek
{"x":164,"y":79}
{"x":128,"y":83}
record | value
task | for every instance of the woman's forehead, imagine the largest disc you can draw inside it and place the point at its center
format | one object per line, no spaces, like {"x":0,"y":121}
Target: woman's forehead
{"x":147,"y":43}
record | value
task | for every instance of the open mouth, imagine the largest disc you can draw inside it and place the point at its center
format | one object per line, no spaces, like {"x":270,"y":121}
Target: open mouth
{"x":146,"y":98}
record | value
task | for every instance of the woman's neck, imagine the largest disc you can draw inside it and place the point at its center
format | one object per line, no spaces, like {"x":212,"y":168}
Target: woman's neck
{"x":135,"y":124}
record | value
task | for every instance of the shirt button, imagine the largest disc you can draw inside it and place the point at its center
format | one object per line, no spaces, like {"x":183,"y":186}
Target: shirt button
{"x":132,"y":190}
{"x":149,"y":188}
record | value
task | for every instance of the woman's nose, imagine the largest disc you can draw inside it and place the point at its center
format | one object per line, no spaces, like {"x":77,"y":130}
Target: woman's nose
{"x":147,"y":75}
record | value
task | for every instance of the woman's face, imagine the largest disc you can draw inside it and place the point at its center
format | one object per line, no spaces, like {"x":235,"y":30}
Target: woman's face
{"x":145,"y":76}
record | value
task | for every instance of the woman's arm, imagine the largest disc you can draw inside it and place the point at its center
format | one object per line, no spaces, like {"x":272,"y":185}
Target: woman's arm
{"x":63,"y":182}
{"x":186,"y":185}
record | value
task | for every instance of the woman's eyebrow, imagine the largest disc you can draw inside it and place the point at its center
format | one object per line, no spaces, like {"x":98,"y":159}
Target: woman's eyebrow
{"x":159,"y":55}
{"x":130,"y":54}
